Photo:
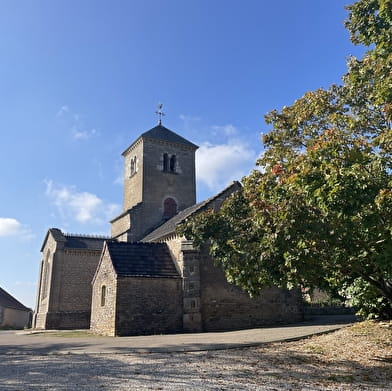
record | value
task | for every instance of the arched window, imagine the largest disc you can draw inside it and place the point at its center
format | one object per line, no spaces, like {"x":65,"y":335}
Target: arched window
{"x":169,"y":208}
{"x":45,"y":275}
{"x":133,"y":166}
{"x":173,"y":161}
{"x":103,"y":295}
{"x":165,"y":162}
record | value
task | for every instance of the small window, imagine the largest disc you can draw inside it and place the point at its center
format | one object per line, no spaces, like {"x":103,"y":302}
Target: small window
{"x":173,"y":161}
{"x":165,"y":162}
{"x":169,"y":208}
{"x":103,"y":295}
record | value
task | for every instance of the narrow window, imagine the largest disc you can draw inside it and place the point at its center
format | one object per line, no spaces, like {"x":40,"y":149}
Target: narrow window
{"x":169,"y":208}
{"x":134,"y":165}
{"x":173,"y":163}
{"x":165,"y":162}
{"x":103,"y":295}
{"x":132,"y":168}
{"x":45,"y":276}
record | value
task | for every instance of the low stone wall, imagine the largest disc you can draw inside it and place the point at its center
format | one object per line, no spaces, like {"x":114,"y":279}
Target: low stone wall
{"x":66,"y":320}
{"x":327,"y":310}
{"x":225,"y":306}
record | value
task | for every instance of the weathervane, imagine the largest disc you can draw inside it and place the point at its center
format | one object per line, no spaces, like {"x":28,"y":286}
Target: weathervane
{"x":160,"y":113}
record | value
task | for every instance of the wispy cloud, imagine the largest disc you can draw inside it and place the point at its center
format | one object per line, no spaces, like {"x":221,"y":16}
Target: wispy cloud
{"x":12,"y":227}
{"x":83,"y":207}
{"x":224,"y":154}
{"x":218,"y":165}
{"x":75,"y":124}
{"x":185,"y":117}
{"x":228,"y":130}
{"x":63,"y":110}
{"x":78,"y":134}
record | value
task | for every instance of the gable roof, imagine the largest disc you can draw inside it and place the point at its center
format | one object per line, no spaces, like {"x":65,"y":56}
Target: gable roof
{"x":87,"y":242}
{"x":8,"y":301}
{"x":170,"y":226}
{"x":141,"y":259}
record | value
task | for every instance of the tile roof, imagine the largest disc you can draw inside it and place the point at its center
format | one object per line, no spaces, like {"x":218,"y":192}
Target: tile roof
{"x":159,"y":132}
{"x":8,"y":301}
{"x":170,"y":226}
{"x":141,"y":259}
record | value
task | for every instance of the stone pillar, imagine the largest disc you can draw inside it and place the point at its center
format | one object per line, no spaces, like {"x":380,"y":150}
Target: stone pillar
{"x":192,"y":321}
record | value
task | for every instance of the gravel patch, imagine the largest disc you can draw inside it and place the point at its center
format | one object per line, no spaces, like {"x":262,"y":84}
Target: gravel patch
{"x":353,"y":358}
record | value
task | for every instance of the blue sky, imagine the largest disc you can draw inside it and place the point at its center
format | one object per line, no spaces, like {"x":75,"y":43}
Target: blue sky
{"x":81,"y":79}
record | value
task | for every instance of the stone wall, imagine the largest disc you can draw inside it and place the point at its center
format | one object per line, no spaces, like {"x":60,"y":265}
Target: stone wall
{"x":64,"y":299}
{"x":120,"y":226}
{"x":192,"y":317}
{"x":13,"y":318}
{"x":133,"y":182}
{"x":148,"y":305}
{"x":226,"y":307}
{"x":44,"y":283}
{"x":70,"y":300}
{"x":174,"y":243}
{"x":157,"y":184}
{"x":103,"y":309}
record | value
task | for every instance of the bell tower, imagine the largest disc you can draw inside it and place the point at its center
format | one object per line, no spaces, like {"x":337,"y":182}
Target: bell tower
{"x":159,"y":181}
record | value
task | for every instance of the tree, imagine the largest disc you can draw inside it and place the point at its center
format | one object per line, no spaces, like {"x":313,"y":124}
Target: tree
{"x":318,"y":211}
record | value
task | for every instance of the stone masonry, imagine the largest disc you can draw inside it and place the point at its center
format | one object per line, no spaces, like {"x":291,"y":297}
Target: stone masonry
{"x":145,"y":278}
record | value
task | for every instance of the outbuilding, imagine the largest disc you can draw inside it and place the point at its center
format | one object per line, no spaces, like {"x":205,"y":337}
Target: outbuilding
{"x":13,"y":314}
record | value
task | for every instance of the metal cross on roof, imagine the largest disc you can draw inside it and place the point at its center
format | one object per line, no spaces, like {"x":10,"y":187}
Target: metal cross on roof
{"x":160,"y":113}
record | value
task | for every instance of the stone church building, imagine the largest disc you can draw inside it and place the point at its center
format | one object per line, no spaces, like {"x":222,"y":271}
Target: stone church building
{"x":144,"y":278}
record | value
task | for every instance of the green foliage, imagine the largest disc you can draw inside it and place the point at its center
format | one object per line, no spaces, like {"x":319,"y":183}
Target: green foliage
{"x":370,"y":24}
{"x":317,"y":212}
{"x":368,"y":300}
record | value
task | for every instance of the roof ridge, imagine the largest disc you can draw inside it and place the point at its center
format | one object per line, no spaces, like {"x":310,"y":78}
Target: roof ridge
{"x":85,"y":236}
{"x":121,"y":243}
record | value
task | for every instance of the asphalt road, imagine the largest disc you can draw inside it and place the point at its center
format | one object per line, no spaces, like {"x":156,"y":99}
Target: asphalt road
{"x":27,"y":342}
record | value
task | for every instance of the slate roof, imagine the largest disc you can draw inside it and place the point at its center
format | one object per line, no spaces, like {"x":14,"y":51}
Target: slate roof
{"x":8,"y":301}
{"x":84,"y":242}
{"x":159,"y":132}
{"x":88,"y":242}
{"x":141,"y":259}
{"x":170,"y":226}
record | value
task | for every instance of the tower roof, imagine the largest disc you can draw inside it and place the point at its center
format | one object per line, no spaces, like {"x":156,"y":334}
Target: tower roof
{"x":159,"y":132}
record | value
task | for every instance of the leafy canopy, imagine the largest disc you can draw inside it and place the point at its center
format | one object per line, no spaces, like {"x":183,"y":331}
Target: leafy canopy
{"x":318,"y":210}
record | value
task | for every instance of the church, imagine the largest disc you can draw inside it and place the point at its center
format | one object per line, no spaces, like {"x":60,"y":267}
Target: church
{"x":144,"y":278}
